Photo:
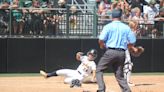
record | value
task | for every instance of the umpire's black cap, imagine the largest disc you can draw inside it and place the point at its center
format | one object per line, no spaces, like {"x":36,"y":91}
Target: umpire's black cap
{"x":116,"y":13}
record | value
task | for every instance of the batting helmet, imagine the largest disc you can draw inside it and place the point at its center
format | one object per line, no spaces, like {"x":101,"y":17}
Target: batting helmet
{"x":93,"y":52}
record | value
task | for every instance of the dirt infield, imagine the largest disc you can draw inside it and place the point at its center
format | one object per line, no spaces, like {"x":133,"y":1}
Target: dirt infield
{"x":148,"y":83}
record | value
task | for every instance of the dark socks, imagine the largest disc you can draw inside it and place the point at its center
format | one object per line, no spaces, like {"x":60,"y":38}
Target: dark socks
{"x":52,"y":74}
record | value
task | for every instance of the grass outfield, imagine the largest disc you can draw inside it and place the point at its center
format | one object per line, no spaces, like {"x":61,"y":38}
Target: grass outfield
{"x":106,"y":74}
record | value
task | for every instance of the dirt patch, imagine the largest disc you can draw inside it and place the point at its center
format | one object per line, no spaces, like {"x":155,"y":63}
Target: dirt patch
{"x":148,"y":83}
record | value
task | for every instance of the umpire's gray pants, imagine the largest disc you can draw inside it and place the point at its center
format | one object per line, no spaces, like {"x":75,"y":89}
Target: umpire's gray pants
{"x":116,"y":59}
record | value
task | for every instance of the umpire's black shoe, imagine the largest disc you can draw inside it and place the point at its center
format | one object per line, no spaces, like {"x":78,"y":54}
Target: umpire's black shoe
{"x":100,"y":91}
{"x":75,"y":83}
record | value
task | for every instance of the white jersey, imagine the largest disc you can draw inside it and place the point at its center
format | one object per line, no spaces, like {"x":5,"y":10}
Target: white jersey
{"x":86,"y":66}
{"x":151,"y":12}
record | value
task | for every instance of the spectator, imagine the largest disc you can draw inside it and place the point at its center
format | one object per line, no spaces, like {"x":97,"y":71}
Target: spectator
{"x":159,"y":22}
{"x":18,"y":21}
{"x":61,"y":4}
{"x":98,"y":3}
{"x":73,"y":17}
{"x":121,"y":3}
{"x":137,"y":16}
{"x":4,"y":5}
{"x":4,"y":17}
{"x":139,"y":21}
{"x":27,"y":16}
{"x":101,"y":8}
{"x":150,"y":12}
{"x":60,"y":12}
{"x":127,"y":13}
{"x":116,"y":5}
{"x":37,"y":23}
{"x":104,"y":11}
{"x":139,"y":4}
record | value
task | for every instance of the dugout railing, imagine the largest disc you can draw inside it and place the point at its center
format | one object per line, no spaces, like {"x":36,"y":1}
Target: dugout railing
{"x":62,"y":22}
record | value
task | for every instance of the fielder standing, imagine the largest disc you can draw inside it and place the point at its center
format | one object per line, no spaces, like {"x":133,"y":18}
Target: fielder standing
{"x":115,"y":38}
{"x":128,"y":65}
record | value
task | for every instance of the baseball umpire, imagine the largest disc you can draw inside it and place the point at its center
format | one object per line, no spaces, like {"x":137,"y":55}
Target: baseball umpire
{"x":115,"y":37}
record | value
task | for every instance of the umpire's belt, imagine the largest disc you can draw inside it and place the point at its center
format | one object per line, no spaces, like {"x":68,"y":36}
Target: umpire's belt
{"x":119,"y":49}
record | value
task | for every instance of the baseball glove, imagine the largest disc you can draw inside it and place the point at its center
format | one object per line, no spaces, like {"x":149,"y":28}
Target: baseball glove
{"x":138,"y":52}
{"x":75,"y":83}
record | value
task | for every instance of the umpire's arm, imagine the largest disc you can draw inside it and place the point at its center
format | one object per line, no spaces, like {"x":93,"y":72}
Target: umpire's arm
{"x":101,"y":44}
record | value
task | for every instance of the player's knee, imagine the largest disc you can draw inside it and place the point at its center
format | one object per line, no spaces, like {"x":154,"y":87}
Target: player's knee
{"x":67,"y":81}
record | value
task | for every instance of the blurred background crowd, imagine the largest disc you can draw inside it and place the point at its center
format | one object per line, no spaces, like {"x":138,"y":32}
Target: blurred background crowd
{"x":38,"y":17}
{"x":147,"y":14}
{"x":28,"y":16}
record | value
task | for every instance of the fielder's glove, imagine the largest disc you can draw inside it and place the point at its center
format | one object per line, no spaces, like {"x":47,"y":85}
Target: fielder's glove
{"x":138,"y":52}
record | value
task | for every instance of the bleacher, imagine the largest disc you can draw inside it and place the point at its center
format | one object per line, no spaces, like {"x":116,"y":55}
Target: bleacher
{"x":57,"y":22}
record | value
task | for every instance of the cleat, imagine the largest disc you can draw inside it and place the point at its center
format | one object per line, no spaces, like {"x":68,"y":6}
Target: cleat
{"x":44,"y":74}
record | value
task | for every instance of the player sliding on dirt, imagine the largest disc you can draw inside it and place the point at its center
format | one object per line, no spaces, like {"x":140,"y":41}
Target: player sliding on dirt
{"x":76,"y":77}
